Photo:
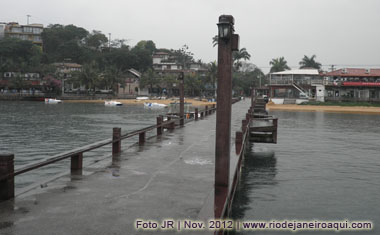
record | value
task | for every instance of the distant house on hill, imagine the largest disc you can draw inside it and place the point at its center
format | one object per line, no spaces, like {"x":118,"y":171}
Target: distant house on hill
{"x":131,"y":87}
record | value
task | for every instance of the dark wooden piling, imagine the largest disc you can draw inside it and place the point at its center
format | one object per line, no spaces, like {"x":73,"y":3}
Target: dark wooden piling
{"x":238,"y":141}
{"x":116,"y":145}
{"x":7,"y":185}
{"x":159,"y":127}
{"x":206,"y":110}
{"x":196,"y":114}
{"x":142,"y":138}
{"x":76,"y":162}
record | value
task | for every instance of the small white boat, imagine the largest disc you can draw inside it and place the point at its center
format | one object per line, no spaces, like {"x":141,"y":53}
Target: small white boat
{"x":142,"y":98}
{"x":52,"y":101}
{"x":154,"y":105}
{"x":112,"y":103}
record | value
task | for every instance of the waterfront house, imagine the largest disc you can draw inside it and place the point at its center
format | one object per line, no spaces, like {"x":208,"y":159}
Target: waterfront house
{"x":306,"y":84}
{"x":353,"y":84}
{"x":131,"y":86}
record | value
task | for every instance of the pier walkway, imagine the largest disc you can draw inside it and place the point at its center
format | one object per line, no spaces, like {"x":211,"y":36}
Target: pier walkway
{"x":170,"y":176}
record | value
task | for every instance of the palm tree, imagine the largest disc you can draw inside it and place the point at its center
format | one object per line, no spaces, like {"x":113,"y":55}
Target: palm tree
{"x":278,"y":65}
{"x":215,"y":40}
{"x":307,"y":62}
{"x":212,"y":74}
{"x":238,"y":55}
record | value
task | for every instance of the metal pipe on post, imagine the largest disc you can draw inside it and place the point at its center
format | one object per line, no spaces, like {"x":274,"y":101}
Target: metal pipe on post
{"x":116,"y":146}
{"x":7,"y":186}
{"x":181,"y":99}
{"x":227,"y":42}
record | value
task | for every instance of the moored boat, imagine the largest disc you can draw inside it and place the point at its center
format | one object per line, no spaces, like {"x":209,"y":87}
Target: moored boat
{"x":112,"y":103}
{"x":154,"y":105}
{"x":52,"y":101}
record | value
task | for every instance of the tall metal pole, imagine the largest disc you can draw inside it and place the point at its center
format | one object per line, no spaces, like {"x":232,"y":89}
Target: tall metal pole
{"x":223,"y":115}
{"x":181,"y":99}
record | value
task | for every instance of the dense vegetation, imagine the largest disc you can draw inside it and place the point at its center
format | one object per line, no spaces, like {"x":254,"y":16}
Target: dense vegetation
{"x":105,"y":62}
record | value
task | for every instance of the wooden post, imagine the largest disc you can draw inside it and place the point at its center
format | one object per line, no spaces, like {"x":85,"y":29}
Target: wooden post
{"x":213,"y":108}
{"x":201,"y":114}
{"x":243,"y":125}
{"x":171,"y":125}
{"x":206,"y":110}
{"x":196,"y":114}
{"x":275,"y":125}
{"x":238,"y":141}
{"x":7,"y":186}
{"x":223,"y":114}
{"x":116,"y":146}
{"x":77,"y":162}
{"x":142,"y":138}
{"x":159,"y":128}
{"x":181,"y":99}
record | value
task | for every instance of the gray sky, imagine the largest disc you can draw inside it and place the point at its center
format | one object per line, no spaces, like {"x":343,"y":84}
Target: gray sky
{"x":339,"y":32}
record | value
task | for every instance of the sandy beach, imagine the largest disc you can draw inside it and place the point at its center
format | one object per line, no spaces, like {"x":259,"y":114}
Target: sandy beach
{"x":320,"y":108}
{"x":141,"y":102}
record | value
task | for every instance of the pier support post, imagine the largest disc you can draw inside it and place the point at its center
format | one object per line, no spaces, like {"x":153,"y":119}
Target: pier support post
{"x":196,"y":114}
{"x":76,"y":162}
{"x":244,"y":125}
{"x":227,"y":42}
{"x":206,"y":110}
{"x":116,"y":146}
{"x":238,"y":141}
{"x":159,"y":127}
{"x":202,"y":114}
{"x":213,"y":108}
{"x":7,"y":186}
{"x":275,"y":125}
{"x":170,"y":126}
{"x":142,"y":138}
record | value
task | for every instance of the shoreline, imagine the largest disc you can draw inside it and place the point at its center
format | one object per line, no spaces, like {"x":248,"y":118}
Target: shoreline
{"x":140,"y":102}
{"x":321,"y":108}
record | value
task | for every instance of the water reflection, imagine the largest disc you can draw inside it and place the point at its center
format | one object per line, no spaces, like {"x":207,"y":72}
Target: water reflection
{"x":259,"y":171}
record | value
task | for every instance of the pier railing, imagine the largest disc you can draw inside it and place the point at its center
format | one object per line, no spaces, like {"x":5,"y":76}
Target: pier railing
{"x":169,"y":122}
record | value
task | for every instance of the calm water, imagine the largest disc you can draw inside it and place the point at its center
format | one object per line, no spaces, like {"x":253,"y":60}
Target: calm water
{"x":325,"y":166}
{"x":34,"y":131}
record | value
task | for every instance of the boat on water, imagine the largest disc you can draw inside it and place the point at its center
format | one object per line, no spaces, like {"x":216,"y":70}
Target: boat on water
{"x":142,"y":98}
{"x":154,"y":105}
{"x":112,"y":103}
{"x":52,"y":101}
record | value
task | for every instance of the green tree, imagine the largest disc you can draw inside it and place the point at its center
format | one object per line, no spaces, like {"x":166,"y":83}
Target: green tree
{"x":149,"y":79}
{"x":212,"y":73}
{"x":278,"y":65}
{"x":147,"y":45}
{"x":62,"y":42}
{"x":183,"y":56}
{"x":96,"y":40}
{"x":19,"y":56}
{"x":89,"y":76}
{"x":215,"y":40}
{"x":307,"y":62}
{"x":238,"y":55}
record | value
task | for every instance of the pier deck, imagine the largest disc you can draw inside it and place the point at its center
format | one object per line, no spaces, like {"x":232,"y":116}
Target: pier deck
{"x":171,"y":176}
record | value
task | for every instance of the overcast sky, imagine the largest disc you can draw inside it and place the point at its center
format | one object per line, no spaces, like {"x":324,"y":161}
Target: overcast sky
{"x":339,"y":32}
